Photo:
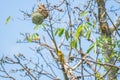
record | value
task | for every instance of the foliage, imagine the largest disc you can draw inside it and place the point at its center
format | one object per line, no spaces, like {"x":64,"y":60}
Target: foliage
{"x":8,"y":19}
{"x":71,"y":45}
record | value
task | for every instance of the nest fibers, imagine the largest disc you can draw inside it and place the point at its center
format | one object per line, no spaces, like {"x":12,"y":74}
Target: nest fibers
{"x":37,"y":18}
{"x":40,"y":14}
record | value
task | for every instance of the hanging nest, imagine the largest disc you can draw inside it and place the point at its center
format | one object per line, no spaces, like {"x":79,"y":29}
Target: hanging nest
{"x":39,"y":15}
{"x":37,"y":18}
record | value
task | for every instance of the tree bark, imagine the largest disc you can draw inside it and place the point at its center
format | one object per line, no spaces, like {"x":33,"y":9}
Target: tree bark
{"x":105,"y":32}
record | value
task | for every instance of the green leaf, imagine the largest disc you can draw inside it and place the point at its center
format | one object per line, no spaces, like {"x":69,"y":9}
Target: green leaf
{"x":119,"y":56}
{"x":112,"y":55}
{"x":56,"y":31}
{"x":90,"y":48}
{"x":35,"y":36}
{"x":36,"y":27}
{"x":78,"y":32}
{"x":88,"y":34}
{"x":83,"y":14}
{"x":88,"y":23}
{"x":30,"y":39}
{"x":7,"y":20}
{"x":85,"y":27}
{"x":73,"y":44}
{"x":67,"y":35}
{"x":60,"y":32}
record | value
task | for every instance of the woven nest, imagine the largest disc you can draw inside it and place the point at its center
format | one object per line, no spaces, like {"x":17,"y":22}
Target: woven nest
{"x":37,"y":18}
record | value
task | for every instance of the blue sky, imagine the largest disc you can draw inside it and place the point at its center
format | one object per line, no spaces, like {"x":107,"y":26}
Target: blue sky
{"x":10,"y":33}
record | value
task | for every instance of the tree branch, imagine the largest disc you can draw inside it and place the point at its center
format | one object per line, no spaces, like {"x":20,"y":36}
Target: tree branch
{"x":115,"y":25}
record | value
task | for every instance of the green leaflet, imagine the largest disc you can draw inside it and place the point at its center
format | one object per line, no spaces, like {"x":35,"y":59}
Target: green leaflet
{"x":88,"y":34}
{"x":83,"y":14}
{"x":67,"y":35}
{"x":30,"y":39}
{"x":59,"y":31}
{"x":88,"y":23}
{"x":98,"y":76}
{"x":36,"y":27}
{"x":35,"y":35}
{"x":7,"y":20}
{"x":85,"y":27}
{"x":56,"y":31}
{"x":73,"y":44}
{"x":119,"y":56}
{"x":78,"y":32}
{"x":90,"y":48}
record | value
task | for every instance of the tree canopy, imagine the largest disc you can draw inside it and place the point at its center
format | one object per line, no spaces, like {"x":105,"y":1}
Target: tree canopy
{"x":75,"y":40}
